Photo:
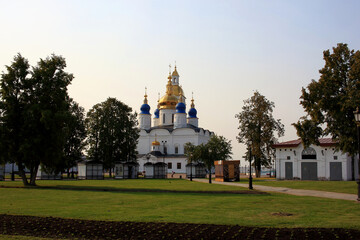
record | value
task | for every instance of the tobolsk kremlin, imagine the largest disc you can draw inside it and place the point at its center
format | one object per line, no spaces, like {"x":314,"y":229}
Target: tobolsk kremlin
{"x":164,"y":133}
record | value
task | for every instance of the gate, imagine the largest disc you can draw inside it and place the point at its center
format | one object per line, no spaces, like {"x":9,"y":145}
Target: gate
{"x":309,"y":171}
{"x":336,"y":171}
{"x":288,"y":170}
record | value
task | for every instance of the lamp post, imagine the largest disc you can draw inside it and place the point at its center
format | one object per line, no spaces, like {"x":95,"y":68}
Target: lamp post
{"x":164,"y":142}
{"x":165,"y":171}
{"x":190,"y":166}
{"x":210,"y":151}
{"x":250,"y":174}
{"x":357,"y":119}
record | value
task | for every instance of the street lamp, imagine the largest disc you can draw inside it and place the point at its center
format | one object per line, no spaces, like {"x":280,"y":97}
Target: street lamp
{"x":165,"y":150}
{"x":357,"y":119}
{"x":190,"y":155}
{"x":250,"y":157}
{"x":210,"y":151}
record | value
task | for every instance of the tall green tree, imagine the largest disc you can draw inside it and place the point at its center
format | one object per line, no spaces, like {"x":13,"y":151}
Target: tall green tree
{"x":75,"y":136}
{"x":112,"y":133}
{"x":15,"y":88}
{"x":34,"y":112}
{"x":329,"y":102}
{"x":257,"y":129}
{"x":189,"y":150}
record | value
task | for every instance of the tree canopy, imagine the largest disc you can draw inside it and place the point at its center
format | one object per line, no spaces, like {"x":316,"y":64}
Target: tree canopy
{"x":34,"y":111}
{"x":329,"y":103}
{"x":257,"y":129}
{"x":112,"y":132}
{"x":217,"y":148}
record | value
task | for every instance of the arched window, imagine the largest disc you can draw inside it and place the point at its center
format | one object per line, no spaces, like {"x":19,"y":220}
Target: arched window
{"x":164,"y":118}
{"x":176,"y":150}
{"x":308,"y":153}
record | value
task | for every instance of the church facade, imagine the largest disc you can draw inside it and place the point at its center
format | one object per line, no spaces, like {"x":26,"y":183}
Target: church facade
{"x":163,"y":135}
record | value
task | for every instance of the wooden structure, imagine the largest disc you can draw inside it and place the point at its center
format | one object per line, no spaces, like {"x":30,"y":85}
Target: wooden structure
{"x":126,"y":170}
{"x":90,"y":170}
{"x":227,"y":170}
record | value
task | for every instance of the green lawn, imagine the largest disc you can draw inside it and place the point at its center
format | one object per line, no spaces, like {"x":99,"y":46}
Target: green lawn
{"x":243,"y":209}
{"x":329,"y":186}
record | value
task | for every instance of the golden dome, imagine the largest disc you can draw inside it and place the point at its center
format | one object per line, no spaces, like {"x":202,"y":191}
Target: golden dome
{"x":155,"y":143}
{"x":175,"y":73}
{"x":168,"y":102}
{"x":177,"y":91}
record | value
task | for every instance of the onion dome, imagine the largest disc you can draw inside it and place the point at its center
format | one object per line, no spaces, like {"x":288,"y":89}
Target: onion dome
{"x":177,"y":90}
{"x":156,"y":113}
{"x":155,"y":143}
{"x":180,"y":107}
{"x":168,"y":101}
{"x":192,"y":112}
{"x":145,"y":108}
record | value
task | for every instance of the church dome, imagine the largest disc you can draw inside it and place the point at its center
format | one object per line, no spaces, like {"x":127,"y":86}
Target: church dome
{"x":192,"y":113}
{"x":156,"y":113}
{"x":177,"y":90}
{"x":180,"y":107}
{"x":155,"y":143}
{"x":145,"y":109}
{"x":168,"y":102}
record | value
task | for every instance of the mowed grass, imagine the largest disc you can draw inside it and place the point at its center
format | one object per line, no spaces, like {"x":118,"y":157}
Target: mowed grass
{"x":328,"y":186}
{"x":242,"y":209}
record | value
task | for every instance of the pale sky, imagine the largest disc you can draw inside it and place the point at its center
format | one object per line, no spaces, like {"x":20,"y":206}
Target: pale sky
{"x":224,"y":50}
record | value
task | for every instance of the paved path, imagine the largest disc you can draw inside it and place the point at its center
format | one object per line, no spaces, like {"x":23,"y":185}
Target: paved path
{"x":298,"y":192}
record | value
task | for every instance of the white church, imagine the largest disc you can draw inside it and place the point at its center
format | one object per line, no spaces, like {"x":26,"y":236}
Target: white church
{"x":162,"y":140}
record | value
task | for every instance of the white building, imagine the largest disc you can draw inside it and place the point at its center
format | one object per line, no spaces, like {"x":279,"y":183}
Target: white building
{"x":322,"y":162}
{"x":163,"y":138}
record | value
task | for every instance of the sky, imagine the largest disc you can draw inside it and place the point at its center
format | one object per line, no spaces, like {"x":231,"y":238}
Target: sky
{"x":224,"y":50}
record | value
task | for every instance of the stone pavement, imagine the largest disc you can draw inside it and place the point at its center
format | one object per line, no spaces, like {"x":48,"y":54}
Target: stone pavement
{"x":298,"y":192}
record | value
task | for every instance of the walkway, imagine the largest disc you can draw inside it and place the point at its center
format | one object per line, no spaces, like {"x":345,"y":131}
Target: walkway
{"x":298,"y":192}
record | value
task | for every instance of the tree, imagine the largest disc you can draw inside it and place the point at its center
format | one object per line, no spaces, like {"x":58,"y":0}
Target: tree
{"x":217,"y":148}
{"x":75,"y":132}
{"x":329,"y":102}
{"x":34,"y":110}
{"x":112,"y":132}
{"x":14,"y":91}
{"x":257,"y":129}
{"x":189,"y":150}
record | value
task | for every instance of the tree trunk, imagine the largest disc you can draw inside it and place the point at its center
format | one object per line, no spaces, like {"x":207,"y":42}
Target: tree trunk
{"x":33,"y":175}
{"x":257,"y":167}
{"x":210,"y":175}
{"x":22,"y":174}
{"x":110,"y":172}
{"x":68,"y":173}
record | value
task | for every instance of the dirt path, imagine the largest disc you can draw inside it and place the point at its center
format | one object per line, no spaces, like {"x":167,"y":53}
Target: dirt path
{"x":298,"y":192}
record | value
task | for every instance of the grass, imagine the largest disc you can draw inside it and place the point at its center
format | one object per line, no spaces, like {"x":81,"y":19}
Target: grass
{"x":243,"y":209}
{"x":328,"y":186}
